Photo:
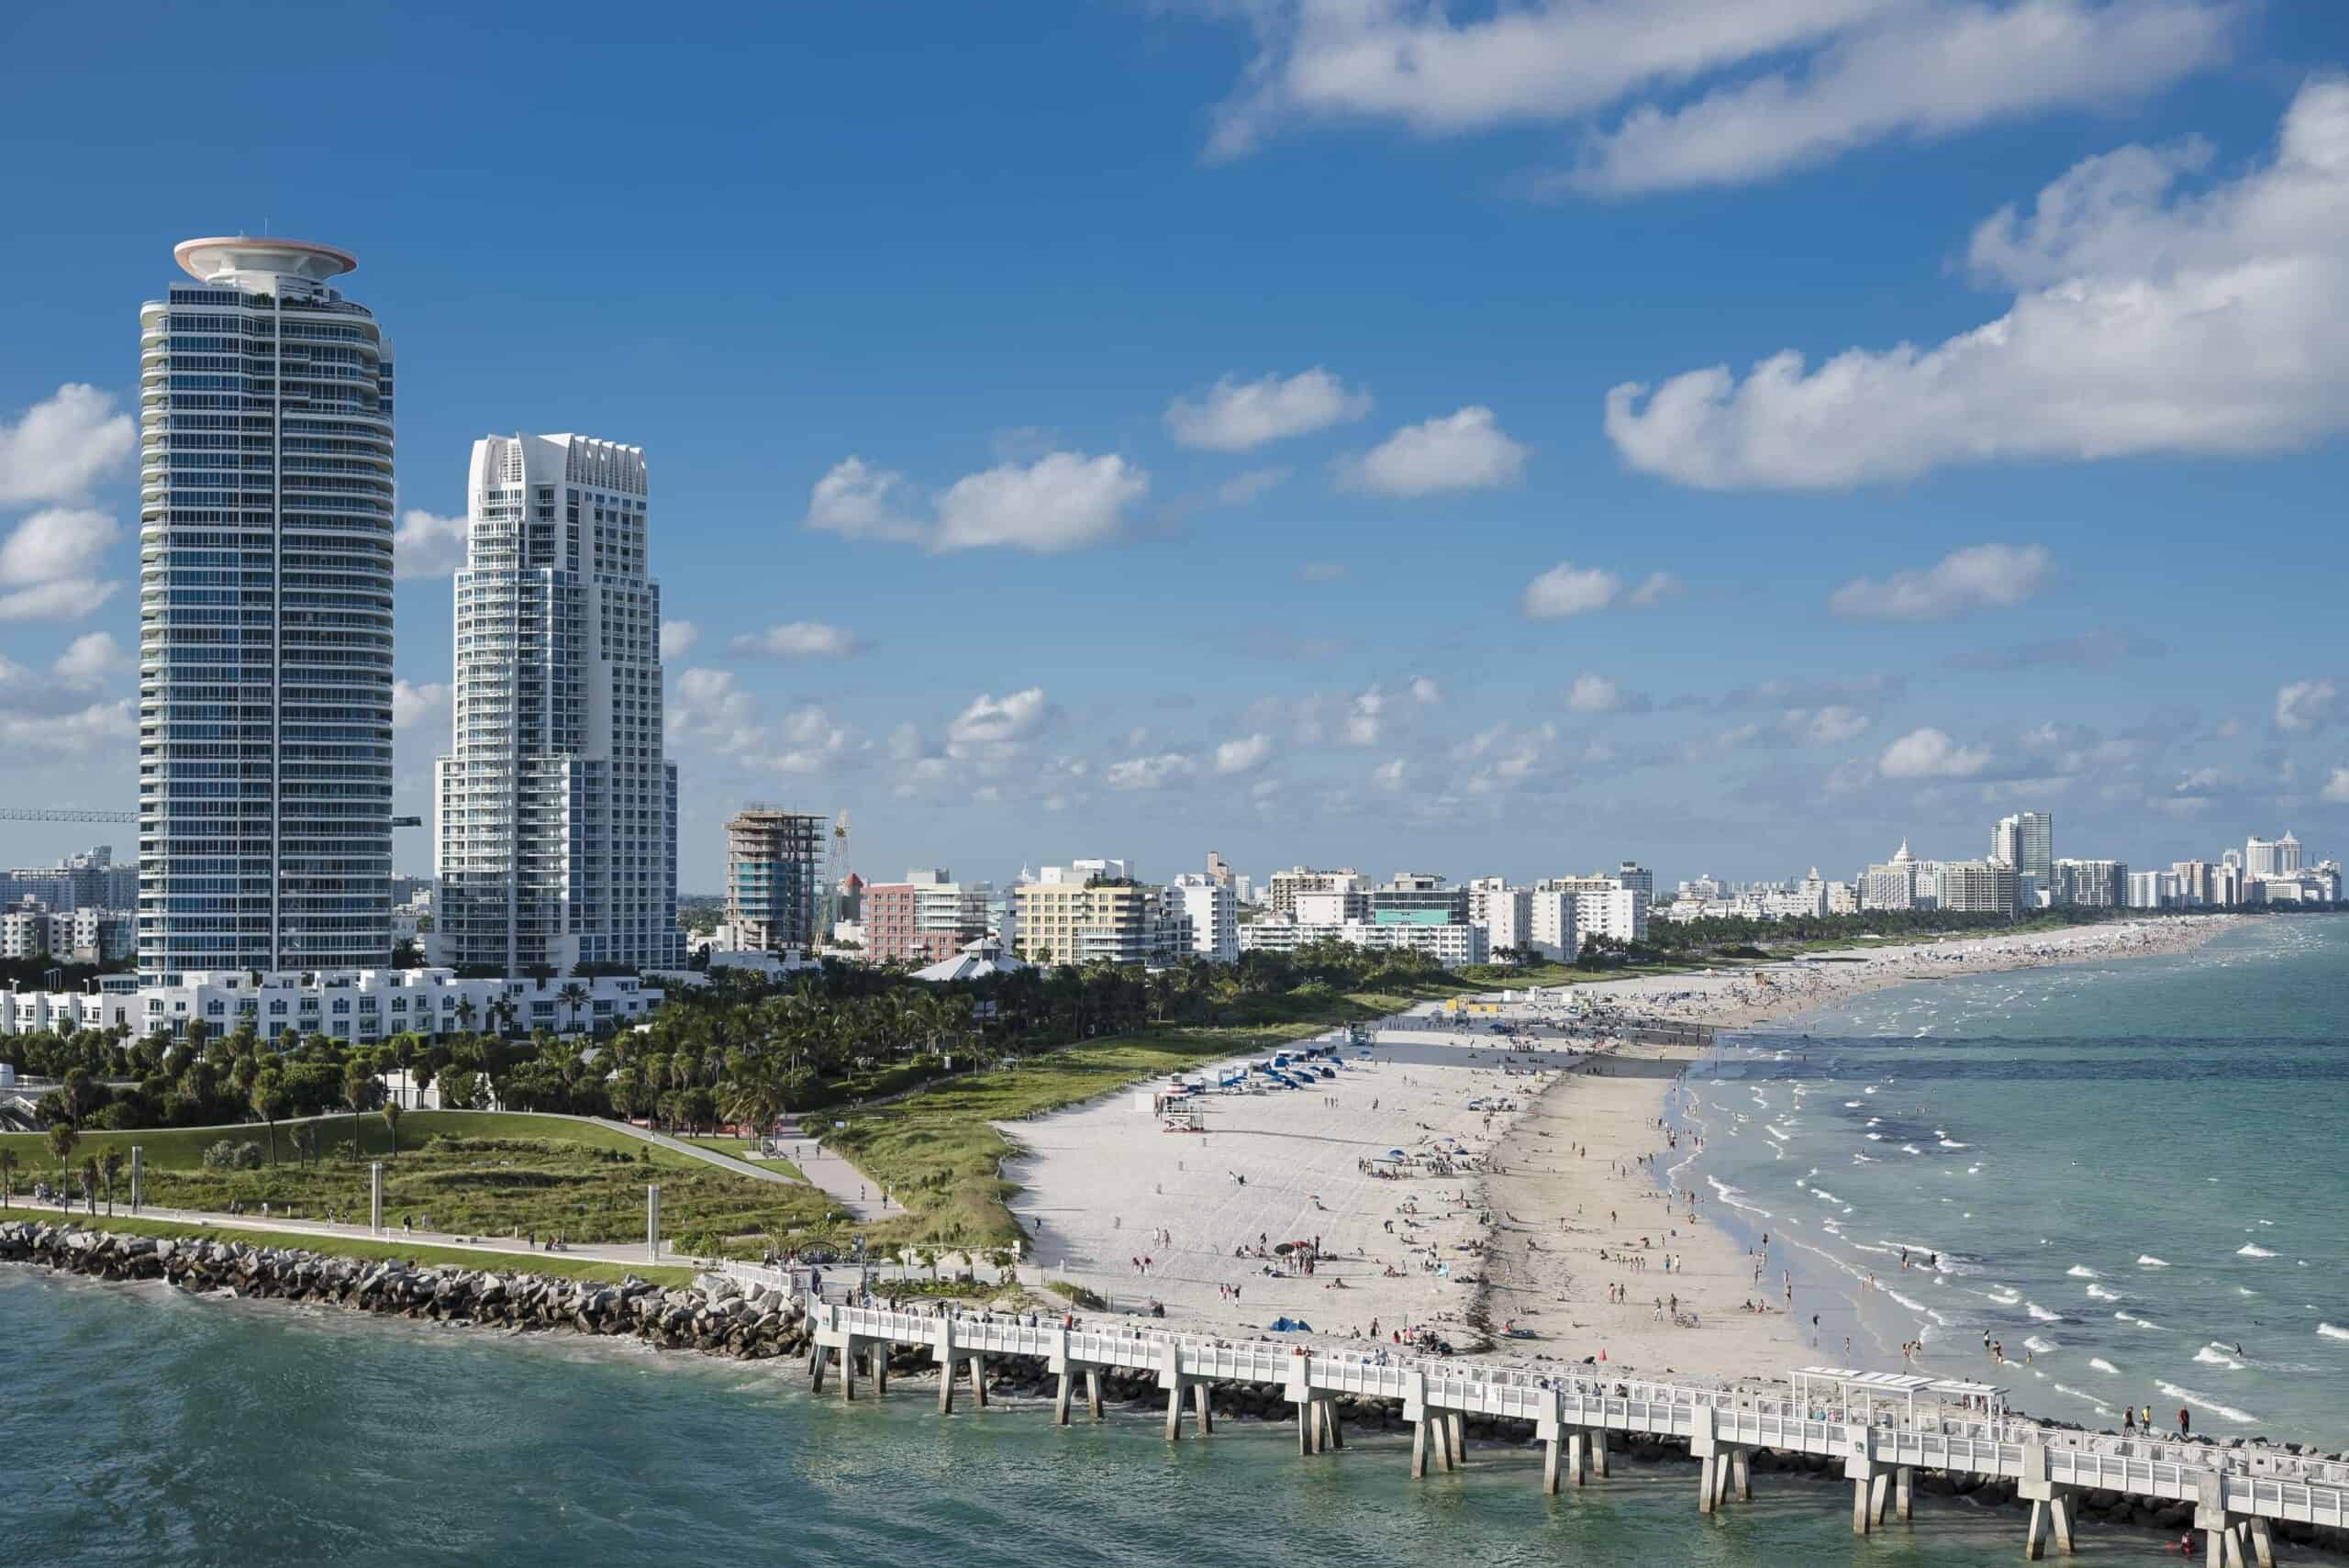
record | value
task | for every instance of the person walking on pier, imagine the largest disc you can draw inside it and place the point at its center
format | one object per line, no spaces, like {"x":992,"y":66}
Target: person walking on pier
{"x":2185,"y":1422}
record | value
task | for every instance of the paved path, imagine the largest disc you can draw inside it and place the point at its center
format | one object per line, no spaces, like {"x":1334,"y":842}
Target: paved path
{"x":630,"y":1253}
{"x":854,"y":1190}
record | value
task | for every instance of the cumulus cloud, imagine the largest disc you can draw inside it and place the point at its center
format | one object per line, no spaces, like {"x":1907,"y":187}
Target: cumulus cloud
{"x":800,"y":639}
{"x":2336,"y":788}
{"x":1801,"y":80}
{"x":2150,"y":317}
{"x":812,"y":740}
{"x":47,"y":563}
{"x":89,"y":659}
{"x":1653,"y":589}
{"x":1979,"y":577}
{"x":992,"y":722}
{"x":1467,"y":451}
{"x":417,"y":706}
{"x":1148,"y":772}
{"x":677,"y":638}
{"x":425,"y":545}
{"x":1062,"y":501}
{"x":1925,"y":71}
{"x":1828,"y":726}
{"x":100,"y":727}
{"x":709,"y":710}
{"x":1570,"y":590}
{"x":1393,"y":773}
{"x":1236,"y":415}
{"x":1592,"y":693}
{"x":1930,"y":753}
{"x":1425,"y":692}
{"x":63,"y":446}
{"x":2303,"y":704}
{"x":1245,"y":754}
{"x":1365,"y":717}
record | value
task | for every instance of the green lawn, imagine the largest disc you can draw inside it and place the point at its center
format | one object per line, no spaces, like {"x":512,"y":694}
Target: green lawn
{"x":552,"y":1264}
{"x":740,"y":1148}
{"x":470,"y":1172}
{"x":937,"y":1154}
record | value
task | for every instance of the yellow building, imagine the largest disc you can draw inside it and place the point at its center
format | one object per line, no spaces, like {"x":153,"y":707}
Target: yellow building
{"x":1077,"y":915}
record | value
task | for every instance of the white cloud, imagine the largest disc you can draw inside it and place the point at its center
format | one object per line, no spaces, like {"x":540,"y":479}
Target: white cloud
{"x":1927,"y":71}
{"x":677,"y":638}
{"x":800,"y":639}
{"x":64,"y":446}
{"x":1981,"y":576}
{"x":2150,"y":320}
{"x":989,"y":722}
{"x":1592,"y":693}
{"x":1365,"y":718}
{"x":1237,"y":416}
{"x":1930,"y":753}
{"x":813,"y":741}
{"x":47,"y":560}
{"x":1653,"y":589}
{"x":425,"y":545}
{"x":1148,"y":772}
{"x":2303,"y":704}
{"x":858,"y":501}
{"x":1570,"y":590}
{"x":1391,"y":774}
{"x":1467,"y":451}
{"x":414,"y":706}
{"x":707,"y":709}
{"x":1242,"y":488}
{"x":100,"y":727}
{"x":1062,"y":501}
{"x":1245,"y":754}
{"x":1829,"y":726}
{"x":1425,"y":692}
{"x":2336,"y":788}
{"x":89,"y":658}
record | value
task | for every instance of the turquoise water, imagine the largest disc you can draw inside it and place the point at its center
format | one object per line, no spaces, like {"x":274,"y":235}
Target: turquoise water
{"x":143,"y":1427}
{"x":2128,"y":1169}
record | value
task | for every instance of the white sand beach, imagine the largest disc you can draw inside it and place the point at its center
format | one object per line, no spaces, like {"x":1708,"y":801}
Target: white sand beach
{"x":1538,"y":1165}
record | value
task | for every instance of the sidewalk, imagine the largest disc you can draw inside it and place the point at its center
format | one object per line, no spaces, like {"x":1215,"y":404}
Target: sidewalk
{"x":856,"y":1192}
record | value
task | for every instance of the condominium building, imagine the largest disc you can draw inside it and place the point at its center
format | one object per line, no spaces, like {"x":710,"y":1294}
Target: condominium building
{"x":926,"y":919}
{"x":1608,"y":904}
{"x":1281,"y":891}
{"x":1451,"y":945}
{"x":2026,"y":842}
{"x":83,"y":935}
{"x":1553,"y":925}
{"x":264,"y":615}
{"x":1506,"y":913}
{"x":776,"y":881}
{"x":2272,"y":857}
{"x":557,"y":833}
{"x":1892,"y":884}
{"x":88,"y":880}
{"x":2101,"y":884}
{"x":1096,"y":912}
{"x":1419,"y":899}
{"x":1212,"y":905}
{"x":2152,"y":890}
{"x":1977,"y":887}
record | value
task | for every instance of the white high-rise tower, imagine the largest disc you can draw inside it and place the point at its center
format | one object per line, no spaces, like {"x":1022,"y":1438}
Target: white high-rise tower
{"x":557,"y":836}
{"x":264,"y":616}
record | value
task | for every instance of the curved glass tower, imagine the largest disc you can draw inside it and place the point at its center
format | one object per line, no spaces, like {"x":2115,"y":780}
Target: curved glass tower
{"x":264,"y":616}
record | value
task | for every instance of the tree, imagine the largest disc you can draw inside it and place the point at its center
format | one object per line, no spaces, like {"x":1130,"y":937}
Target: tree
{"x":63,"y":1138}
{"x":110,"y":1166}
{"x":358,"y":1087}
{"x":392,"y":1125}
{"x":270,"y":1101}
{"x":90,"y":1183}
{"x":305,"y":1142}
{"x":8,"y":1175}
{"x":574,"y":996}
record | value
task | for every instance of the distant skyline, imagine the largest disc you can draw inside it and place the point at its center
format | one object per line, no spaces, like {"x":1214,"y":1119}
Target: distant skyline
{"x":1170,"y":427}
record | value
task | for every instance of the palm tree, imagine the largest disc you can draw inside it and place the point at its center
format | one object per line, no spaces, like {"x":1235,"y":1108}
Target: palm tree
{"x":8,"y":1175}
{"x":574,"y":996}
{"x":90,"y":1183}
{"x":110,"y":1166}
{"x":62,"y":1138}
{"x":756,"y":1100}
{"x":392,"y":1125}
{"x":356,"y":1082}
{"x":465,"y":1014}
{"x":268,"y":1102}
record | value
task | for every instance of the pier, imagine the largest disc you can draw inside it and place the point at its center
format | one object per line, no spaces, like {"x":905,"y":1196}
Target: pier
{"x":1880,"y":1428}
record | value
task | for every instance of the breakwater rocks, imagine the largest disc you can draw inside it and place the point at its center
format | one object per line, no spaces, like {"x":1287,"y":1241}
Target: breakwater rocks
{"x":718,"y":1318}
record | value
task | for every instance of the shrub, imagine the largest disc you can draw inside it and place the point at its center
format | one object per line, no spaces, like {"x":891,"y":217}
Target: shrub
{"x":221,"y":1156}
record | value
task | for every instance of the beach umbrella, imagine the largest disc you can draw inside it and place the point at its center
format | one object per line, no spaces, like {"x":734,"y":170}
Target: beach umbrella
{"x":1282,"y":1249}
{"x":1397,"y":1154}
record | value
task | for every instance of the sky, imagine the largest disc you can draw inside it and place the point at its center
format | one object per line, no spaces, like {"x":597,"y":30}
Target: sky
{"x":1459,"y":437}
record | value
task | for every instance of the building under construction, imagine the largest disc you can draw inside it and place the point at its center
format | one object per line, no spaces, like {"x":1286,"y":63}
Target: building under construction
{"x":778,"y":890}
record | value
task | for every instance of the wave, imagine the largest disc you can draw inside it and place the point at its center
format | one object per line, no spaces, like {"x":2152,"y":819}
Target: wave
{"x":1730,"y":1195}
{"x":2091,"y":1399}
{"x":2100,"y":1364}
{"x":2040,"y":1347}
{"x":2204,"y":1402}
{"x":2041,"y":1314}
{"x":1911,"y":1149}
{"x":2216,"y":1355}
{"x":2097,"y":1293}
{"x":2140,"y":1322}
{"x":1952,"y":1143}
{"x":2248,"y":1250}
{"x":2331,"y":1332}
{"x":2079,"y":1272}
{"x":2147,"y":1261}
{"x":2004,"y":1297}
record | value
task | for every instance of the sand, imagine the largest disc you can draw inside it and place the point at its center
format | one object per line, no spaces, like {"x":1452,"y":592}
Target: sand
{"x":1527,"y":1230}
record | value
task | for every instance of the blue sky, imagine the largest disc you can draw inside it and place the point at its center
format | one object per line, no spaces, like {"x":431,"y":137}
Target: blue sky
{"x":1138,"y":429}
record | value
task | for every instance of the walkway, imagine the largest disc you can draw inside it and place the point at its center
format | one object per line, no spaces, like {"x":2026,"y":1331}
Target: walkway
{"x":627,"y":1253}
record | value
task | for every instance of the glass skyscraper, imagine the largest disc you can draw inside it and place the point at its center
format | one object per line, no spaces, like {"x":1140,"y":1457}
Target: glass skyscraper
{"x":557,"y":834}
{"x":264,"y":616}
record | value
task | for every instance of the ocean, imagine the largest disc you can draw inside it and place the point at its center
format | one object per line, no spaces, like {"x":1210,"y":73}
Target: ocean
{"x":2092,"y":1119}
{"x":2130,"y":1171}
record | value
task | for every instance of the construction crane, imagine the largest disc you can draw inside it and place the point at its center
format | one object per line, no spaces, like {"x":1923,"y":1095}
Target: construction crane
{"x":61,"y":814}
